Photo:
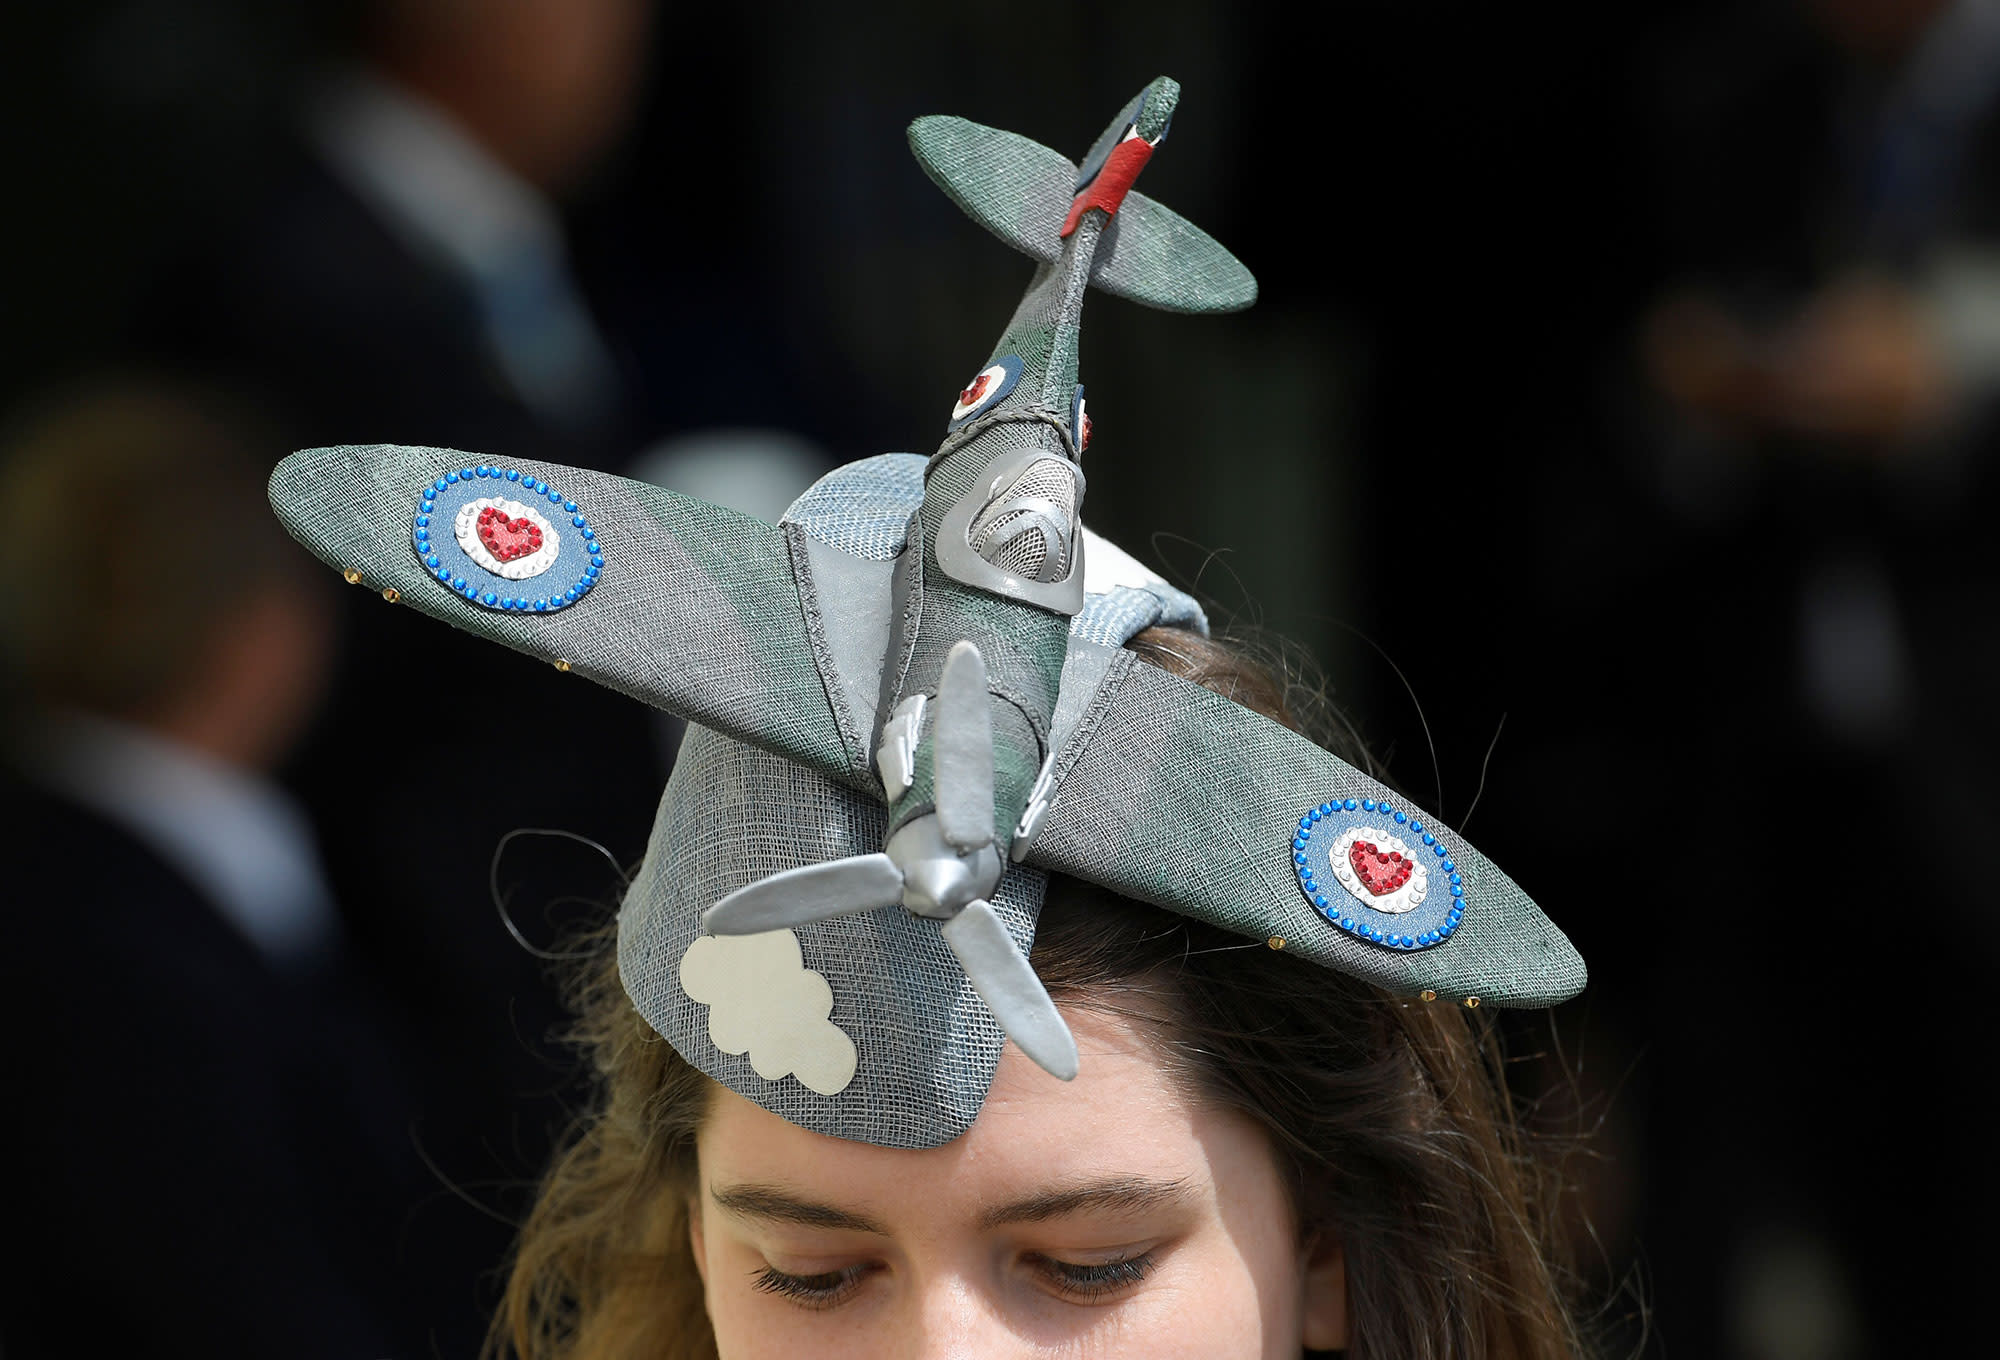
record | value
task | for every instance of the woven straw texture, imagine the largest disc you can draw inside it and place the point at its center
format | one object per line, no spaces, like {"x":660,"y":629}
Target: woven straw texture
{"x":926,"y":1043}
{"x":696,"y":613}
{"x":1020,"y":191}
{"x":1181,"y":798}
{"x":864,"y":508}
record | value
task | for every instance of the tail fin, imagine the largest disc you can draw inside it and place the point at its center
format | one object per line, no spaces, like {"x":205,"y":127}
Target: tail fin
{"x":1021,"y":192}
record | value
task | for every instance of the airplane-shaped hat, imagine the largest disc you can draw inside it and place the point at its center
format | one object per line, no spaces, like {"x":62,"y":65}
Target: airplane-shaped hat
{"x":910,"y":702}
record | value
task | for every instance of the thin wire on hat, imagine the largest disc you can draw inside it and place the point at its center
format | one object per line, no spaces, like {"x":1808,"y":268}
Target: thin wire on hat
{"x":1307,"y":689}
{"x":1437,"y":770}
{"x":500,"y":898}
{"x":1480,"y":792}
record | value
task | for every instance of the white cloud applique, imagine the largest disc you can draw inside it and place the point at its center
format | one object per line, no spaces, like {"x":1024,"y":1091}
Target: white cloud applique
{"x":763,"y":1000}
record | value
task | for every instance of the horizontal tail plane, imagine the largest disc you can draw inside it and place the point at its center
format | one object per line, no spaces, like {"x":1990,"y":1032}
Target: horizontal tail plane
{"x":1025,"y":194}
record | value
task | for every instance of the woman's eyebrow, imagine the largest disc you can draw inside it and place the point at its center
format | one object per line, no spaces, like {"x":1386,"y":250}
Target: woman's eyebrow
{"x":775,"y":1205}
{"x":1120,"y":1194}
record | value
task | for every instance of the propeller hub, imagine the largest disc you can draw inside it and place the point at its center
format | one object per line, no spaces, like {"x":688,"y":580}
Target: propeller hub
{"x":938,"y":880}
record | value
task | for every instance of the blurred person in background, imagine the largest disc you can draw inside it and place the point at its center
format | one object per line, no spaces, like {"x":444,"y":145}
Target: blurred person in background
{"x":1822,"y":381}
{"x":407,"y":273}
{"x":208,"y":1134}
{"x":404,"y":274}
{"x":1835,"y":342}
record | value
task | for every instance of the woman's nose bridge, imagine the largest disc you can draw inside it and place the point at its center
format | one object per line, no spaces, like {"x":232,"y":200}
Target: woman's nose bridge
{"x":956,"y":1317}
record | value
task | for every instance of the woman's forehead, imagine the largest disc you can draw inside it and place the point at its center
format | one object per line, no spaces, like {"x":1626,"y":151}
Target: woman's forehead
{"x":1123,"y":1120}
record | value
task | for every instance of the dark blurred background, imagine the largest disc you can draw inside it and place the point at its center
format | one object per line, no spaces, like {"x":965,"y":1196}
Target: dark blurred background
{"x":1615,"y":430}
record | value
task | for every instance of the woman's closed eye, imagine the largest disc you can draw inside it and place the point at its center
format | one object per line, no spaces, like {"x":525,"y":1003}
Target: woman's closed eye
{"x":1076,"y":1281}
{"x":828,"y":1289}
{"x":1095,"y":1281}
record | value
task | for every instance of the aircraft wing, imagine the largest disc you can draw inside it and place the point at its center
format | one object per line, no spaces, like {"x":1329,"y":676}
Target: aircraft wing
{"x":691,"y":607}
{"x":1159,"y":773}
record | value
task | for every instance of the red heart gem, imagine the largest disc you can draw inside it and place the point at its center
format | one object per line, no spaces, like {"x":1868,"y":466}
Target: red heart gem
{"x":506,"y":539}
{"x":1380,"y":871}
{"x":971,"y":395}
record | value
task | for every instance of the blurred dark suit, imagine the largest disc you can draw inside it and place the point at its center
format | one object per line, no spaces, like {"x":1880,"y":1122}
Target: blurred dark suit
{"x":357,"y":328}
{"x":208,"y":1150}
{"x":372,"y":302}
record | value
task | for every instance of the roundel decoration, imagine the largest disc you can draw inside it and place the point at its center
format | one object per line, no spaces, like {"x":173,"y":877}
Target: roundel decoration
{"x":988,"y":388}
{"x":1079,"y":421}
{"x":507,"y":541}
{"x":1374,"y":871}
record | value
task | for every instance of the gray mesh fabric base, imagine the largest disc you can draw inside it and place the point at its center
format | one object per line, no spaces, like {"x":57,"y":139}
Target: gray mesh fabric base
{"x":926,"y":1043}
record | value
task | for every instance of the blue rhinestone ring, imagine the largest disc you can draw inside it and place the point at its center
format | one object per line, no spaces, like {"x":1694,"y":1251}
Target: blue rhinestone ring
{"x":506,"y":541}
{"x":1375,"y":872}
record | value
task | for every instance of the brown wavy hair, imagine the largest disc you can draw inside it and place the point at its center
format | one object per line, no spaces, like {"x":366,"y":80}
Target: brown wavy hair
{"x":1390,"y":1119}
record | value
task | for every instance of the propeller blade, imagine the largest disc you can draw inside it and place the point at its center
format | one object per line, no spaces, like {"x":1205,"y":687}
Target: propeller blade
{"x":812,"y":892}
{"x":962,"y":750}
{"x":1008,"y":985}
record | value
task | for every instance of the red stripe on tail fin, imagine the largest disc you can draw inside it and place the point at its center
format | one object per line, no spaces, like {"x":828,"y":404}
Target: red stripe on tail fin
{"x":1113,"y":182}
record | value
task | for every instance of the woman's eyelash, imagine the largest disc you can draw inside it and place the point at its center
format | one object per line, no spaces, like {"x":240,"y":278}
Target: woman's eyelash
{"x":831,"y":1289}
{"x":812,"y":1291}
{"x":1099,"y":1279}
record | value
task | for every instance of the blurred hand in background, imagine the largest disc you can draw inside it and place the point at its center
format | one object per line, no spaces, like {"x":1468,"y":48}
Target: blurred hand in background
{"x":1862,"y":361}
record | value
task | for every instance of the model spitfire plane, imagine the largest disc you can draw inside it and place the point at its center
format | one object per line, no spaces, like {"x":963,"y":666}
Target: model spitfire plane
{"x":941,"y":672}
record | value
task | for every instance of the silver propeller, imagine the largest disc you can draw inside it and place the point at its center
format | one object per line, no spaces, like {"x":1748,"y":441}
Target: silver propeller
{"x":812,"y":892}
{"x":962,"y":750}
{"x":940,"y":865}
{"x":1008,"y":985}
